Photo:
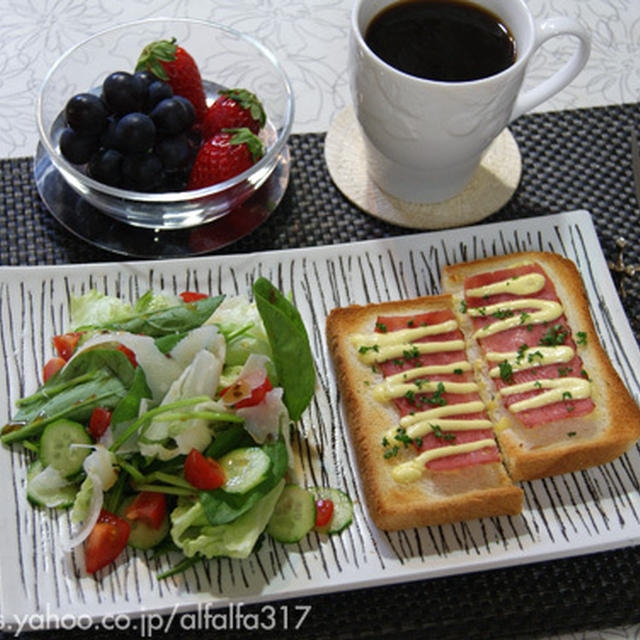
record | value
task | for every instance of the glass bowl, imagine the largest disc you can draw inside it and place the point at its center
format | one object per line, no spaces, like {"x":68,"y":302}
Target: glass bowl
{"x":225,"y":57}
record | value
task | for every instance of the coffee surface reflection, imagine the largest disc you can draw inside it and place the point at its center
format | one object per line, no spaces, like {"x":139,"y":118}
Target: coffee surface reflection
{"x":443,"y":40}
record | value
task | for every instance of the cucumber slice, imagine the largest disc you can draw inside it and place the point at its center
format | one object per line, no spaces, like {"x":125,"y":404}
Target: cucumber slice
{"x":56,"y":450}
{"x":46,"y":490}
{"x":294,"y":515}
{"x":143,"y":536}
{"x":244,"y":469}
{"x":342,"y":508}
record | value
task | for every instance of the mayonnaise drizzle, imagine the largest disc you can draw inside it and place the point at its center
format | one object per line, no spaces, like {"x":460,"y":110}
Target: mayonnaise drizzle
{"x":372,"y":354}
{"x":545,"y":311}
{"x":530,"y":358}
{"x":421,"y":429}
{"x":385,"y":392}
{"x":411,"y":471}
{"x":565,"y":388}
{"x":380,"y":347}
{"x":523,"y":285}
{"x":557,"y":389}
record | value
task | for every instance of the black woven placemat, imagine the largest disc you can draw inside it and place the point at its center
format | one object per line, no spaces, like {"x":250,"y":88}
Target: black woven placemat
{"x":571,"y":160}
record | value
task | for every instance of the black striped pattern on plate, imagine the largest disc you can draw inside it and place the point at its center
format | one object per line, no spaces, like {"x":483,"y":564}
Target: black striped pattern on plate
{"x":567,"y":515}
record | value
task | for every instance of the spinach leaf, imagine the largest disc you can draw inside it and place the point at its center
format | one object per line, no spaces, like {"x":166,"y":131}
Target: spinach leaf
{"x":290,"y":346}
{"x":97,"y":377}
{"x":235,"y":437}
{"x":164,"y":344}
{"x":221,"y":507}
{"x":177,"y":319}
{"x":127,"y":409}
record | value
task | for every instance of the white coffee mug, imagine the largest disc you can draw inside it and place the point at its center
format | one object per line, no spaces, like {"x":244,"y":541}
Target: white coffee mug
{"x":425,"y":138}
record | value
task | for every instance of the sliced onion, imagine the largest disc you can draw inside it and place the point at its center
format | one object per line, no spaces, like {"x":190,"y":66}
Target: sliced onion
{"x":263,"y":419}
{"x":95,"y":506}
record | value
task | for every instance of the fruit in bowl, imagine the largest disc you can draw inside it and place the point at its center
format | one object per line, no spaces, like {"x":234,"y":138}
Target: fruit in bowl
{"x":233,"y":68}
{"x":151,"y":129}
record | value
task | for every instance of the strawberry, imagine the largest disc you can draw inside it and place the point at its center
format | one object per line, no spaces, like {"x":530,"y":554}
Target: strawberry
{"x":234,"y":109}
{"x":172,"y":64}
{"x":224,"y":156}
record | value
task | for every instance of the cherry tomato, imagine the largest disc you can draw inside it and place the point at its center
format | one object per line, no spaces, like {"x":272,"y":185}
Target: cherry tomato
{"x":148,"y":506}
{"x":52,"y":366}
{"x":106,"y":540}
{"x":324,"y":512}
{"x":240,"y":389}
{"x":99,"y":422}
{"x":127,"y":352}
{"x":192,"y":296}
{"x":201,"y":472}
{"x":65,"y":344}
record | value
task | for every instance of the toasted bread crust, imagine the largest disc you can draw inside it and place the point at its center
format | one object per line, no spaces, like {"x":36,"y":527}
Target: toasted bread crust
{"x":439,"y":497}
{"x":615,"y":424}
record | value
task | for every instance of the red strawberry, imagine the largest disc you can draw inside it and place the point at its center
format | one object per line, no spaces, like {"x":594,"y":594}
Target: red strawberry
{"x":224,"y":156}
{"x":234,"y":109}
{"x":172,"y":64}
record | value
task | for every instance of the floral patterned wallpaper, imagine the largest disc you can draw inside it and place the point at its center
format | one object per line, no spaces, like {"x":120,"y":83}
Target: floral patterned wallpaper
{"x":310,"y":38}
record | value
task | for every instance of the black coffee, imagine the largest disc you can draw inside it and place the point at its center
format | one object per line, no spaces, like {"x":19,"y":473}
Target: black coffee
{"x":443,"y":40}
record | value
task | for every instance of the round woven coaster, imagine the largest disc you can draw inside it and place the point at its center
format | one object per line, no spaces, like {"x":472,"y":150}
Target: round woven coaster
{"x":490,"y":188}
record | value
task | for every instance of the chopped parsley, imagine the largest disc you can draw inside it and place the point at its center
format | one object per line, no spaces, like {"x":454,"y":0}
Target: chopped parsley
{"x":581,"y":338}
{"x":571,"y":434}
{"x":521,"y":349}
{"x":506,"y":371}
{"x":554,"y":336}
{"x":437,"y":398}
{"x":501,"y":314}
{"x":524,"y":316}
{"x":567,"y":395}
{"x":412,"y":353}
{"x":564,"y":371}
{"x":365,"y":348}
{"x":381,"y":327}
{"x":458,"y":371}
{"x":410,"y":323}
{"x":535,"y":354}
{"x":423,"y":399}
{"x":403,"y":438}
{"x":463,"y":306}
{"x":410,"y":395}
{"x":437,"y":432}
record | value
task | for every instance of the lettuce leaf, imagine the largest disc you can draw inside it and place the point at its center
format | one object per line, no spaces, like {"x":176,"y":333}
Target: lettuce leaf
{"x":95,"y":308}
{"x":192,"y":532}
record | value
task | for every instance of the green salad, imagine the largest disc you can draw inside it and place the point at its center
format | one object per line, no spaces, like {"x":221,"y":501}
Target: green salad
{"x":165,"y":425}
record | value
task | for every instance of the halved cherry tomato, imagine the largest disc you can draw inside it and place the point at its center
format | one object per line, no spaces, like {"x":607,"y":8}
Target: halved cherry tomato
{"x":65,"y":344}
{"x":127,"y":352}
{"x":239,"y":389}
{"x":148,"y":506}
{"x":192,"y":296}
{"x":201,"y":472}
{"x":324,"y":512}
{"x":52,"y":366}
{"x":106,"y":540}
{"x":99,"y":422}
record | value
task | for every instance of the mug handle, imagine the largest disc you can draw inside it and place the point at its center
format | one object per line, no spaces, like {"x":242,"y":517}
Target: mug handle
{"x":545,"y":30}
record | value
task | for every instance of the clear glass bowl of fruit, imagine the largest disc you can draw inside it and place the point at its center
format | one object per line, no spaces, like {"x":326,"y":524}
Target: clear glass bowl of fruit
{"x":166,"y":123}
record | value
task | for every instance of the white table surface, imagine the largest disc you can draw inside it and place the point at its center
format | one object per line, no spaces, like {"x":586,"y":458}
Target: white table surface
{"x":310,"y":39}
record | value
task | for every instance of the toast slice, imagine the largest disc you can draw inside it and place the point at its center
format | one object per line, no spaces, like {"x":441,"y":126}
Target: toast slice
{"x":423,"y":440}
{"x":558,"y":402}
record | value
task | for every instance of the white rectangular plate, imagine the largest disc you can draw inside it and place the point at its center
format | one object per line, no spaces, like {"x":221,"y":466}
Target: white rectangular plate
{"x":568,"y":515}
